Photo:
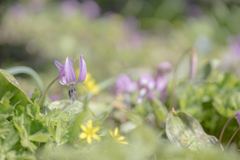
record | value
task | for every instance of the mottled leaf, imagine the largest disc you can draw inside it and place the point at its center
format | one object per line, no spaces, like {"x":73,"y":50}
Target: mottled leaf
{"x":67,"y":106}
{"x":184,"y":130}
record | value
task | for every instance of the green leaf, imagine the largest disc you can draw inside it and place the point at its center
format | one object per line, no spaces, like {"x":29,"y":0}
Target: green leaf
{"x":20,"y":123}
{"x":47,"y":150}
{"x":36,"y":94}
{"x":184,"y":130}
{"x":227,"y":106}
{"x":9,"y":83}
{"x":5,"y":108}
{"x":160,"y":110}
{"x":61,"y":130}
{"x":10,"y":141}
{"x":40,"y":137}
{"x":12,"y":155}
{"x":76,"y":127}
{"x":100,"y":119}
{"x":26,"y":143}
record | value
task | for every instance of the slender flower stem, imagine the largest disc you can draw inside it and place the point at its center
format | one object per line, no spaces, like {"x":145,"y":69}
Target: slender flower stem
{"x":47,"y":90}
{"x":220,"y":138}
{"x":232,"y":137}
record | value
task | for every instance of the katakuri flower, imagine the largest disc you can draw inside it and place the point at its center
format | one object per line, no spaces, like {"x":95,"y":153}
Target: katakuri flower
{"x":124,"y":85}
{"x":117,"y":137}
{"x":146,"y":85}
{"x":161,"y":87}
{"x":67,"y":75}
{"x":89,"y":132}
{"x":163,"y":68}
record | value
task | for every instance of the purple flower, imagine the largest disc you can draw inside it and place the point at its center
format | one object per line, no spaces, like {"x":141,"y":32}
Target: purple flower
{"x":67,"y":75}
{"x":163,"y":68}
{"x":146,"y":84}
{"x":161,"y":87}
{"x":124,"y":85}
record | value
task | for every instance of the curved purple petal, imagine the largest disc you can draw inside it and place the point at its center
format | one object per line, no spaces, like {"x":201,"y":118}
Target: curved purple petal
{"x":59,"y":65}
{"x":82,"y":69}
{"x":62,"y":79}
{"x":69,"y":72}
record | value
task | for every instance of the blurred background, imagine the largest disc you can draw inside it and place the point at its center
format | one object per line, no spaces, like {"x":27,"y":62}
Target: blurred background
{"x":116,"y":36}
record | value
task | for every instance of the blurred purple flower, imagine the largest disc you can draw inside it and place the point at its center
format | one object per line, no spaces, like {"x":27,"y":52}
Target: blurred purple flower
{"x":67,"y":75}
{"x":70,"y":7}
{"x":161,"y":81}
{"x":53,"y":97}
{"x":161,"y":87}
{"x":124,"y":85}
{"x":163,"y":68}
{"x":90,"y":9}
{"x":146,"y":85}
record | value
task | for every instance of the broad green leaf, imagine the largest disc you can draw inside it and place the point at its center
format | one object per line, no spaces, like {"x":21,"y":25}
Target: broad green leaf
{"x":67,"y":106}
{"x":9,"y":83}
{"x":184,"y":130}
{"x":40,"y":137}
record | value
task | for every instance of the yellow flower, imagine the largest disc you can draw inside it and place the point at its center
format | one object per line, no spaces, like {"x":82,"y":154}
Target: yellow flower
{"x":117,"y":137}
{"x":89,"y":132}
{"x":89,"y":84}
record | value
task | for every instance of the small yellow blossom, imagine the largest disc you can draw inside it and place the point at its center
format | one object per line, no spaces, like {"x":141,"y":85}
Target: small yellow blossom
{"x":117,"y":137}
{"x":89,"y":132}
{"x":89,"y":84}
